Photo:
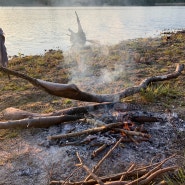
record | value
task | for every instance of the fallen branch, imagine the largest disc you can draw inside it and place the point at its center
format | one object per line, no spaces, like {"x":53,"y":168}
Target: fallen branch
{"x":151,"y":173}
{"x":73,"y":92}
{"x":156,"y":174}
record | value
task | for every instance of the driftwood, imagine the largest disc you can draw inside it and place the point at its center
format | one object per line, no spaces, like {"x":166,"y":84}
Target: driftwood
{"x":79,"y":38}
{"x":73,"y":92}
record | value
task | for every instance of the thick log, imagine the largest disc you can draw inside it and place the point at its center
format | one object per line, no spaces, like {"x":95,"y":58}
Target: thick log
{"x":12,"y":113}
{"x":39,"y":122}
{"x":73,"y":92}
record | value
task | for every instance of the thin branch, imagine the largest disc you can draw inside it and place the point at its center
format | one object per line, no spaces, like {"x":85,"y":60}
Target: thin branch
{"x":98,"y":150}
{"x":95,"y":177}
{"x":102,"y":160}
{"x":74,"y":171}
{"x":156,"y":174}
{"x":89,"y":131}
{"x":130,"y":169}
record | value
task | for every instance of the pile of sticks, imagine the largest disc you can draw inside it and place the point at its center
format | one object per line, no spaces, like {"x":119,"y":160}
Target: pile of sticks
{"x":133,"y":176}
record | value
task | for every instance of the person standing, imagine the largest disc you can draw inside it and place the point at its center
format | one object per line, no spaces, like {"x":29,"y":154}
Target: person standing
{"x":3,"y":53}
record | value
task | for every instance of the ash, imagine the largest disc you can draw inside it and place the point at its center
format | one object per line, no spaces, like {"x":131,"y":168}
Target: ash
{"x":33,"y":159}
{"x":159,"y":146}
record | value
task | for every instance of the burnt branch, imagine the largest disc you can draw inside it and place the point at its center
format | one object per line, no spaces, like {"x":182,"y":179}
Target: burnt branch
{"x":73,"y":92}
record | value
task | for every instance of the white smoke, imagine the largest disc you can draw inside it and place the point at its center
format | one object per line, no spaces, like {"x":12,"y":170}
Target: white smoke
{"x":110,"y":76}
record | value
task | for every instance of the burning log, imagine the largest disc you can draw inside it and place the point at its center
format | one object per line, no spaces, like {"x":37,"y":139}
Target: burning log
{"x":73,"y":92}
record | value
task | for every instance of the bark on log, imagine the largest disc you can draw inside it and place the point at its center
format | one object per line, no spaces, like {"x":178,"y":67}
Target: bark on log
{"x":89,"y":131}
{"x":39,"y":122}
{"x":12,"y":113}
{"x":73,"y":92}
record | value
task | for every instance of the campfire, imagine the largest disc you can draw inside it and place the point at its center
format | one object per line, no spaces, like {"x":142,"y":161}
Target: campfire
{"x":131,"y":136}
{"x":121,"y":141}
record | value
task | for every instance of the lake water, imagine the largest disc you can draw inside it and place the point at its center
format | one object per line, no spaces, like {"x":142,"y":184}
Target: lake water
{"x":32,"y":30}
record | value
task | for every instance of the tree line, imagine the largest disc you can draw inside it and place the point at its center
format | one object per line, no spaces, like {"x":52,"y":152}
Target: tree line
{"x":87,"y":2}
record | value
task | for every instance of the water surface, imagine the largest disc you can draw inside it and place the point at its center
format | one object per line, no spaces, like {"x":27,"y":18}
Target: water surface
{"x":32,"y":30}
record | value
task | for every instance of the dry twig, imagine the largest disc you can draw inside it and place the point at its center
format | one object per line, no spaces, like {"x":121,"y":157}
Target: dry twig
{"x":95,"y":177}
{"x":89,"y":131}
{"x":101,"y":161}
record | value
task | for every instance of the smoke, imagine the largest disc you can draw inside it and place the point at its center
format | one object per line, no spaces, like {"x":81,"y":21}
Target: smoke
{"x":93,"y":71}
{"x":108,"y":76}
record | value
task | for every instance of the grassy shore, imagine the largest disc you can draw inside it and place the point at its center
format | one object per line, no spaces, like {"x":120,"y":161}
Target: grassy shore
{"x":102,"y":69}
{"x":99,"y":69}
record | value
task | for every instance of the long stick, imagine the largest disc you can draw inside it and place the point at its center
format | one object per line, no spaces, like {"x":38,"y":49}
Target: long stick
{"x":89,"y":131}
